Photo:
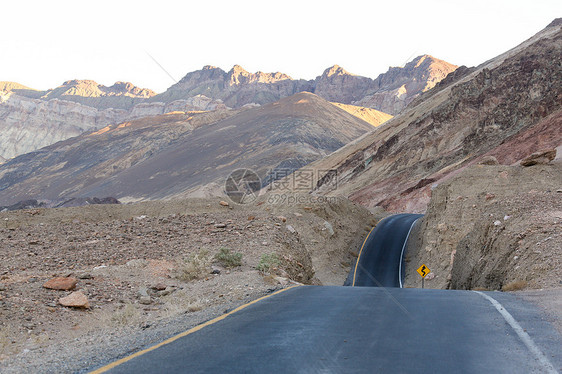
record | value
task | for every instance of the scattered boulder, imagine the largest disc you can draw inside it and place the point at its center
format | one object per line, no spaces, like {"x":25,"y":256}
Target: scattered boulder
{"x":2,"y":287}
{"x":224,"y":203}
{"x":490,"y":196}
{"x":291,"y":229}
{"x":75,"y":300}
{"x":145,"y":300}
{"x":282,"y":218}
{"x":539,"y":158}
{"x":144,"y":297}
{"x":488,"y":160}
{"x":159,"y":287}
{"x":61,"y":283}
{"x":166,"y":292}
{"x":220,"y":225}
{"x":142,"y":292}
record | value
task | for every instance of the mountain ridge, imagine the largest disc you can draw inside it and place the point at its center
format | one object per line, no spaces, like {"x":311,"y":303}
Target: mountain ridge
{"x":493,"y":109}
{"x":180,"y":154}
{"x":31,"y":119}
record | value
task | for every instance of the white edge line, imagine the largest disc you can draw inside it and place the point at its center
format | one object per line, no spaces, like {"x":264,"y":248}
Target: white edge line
{"x":402,"y":254}
{"x":522,"y":334}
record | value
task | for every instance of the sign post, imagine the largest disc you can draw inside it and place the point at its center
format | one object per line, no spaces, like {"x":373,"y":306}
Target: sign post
{"x":423,"y":271}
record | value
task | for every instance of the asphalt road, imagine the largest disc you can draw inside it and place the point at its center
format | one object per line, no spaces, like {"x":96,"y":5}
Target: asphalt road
{"x":314,"y":329}
{"x":381,"y":256}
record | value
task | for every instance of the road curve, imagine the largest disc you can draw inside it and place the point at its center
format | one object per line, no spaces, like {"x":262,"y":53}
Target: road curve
{"x":314,"y":329}
{"x":381,"y":256}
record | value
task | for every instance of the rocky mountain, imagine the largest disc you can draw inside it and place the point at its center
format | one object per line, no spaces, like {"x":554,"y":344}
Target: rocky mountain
{"x":121,"y":95}
{"x":179,"y":153}
{"x":27,"y":124}
{"x":508,"y":107}
{"x":390,"y":92}
{"x":234,"y":88}
{"x":399,"y":86}
{"x":31,"y":119}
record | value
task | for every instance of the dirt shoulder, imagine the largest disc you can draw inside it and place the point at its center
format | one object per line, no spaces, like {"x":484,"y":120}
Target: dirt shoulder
{"x":150,"y":270}
{"x":493,"y":227}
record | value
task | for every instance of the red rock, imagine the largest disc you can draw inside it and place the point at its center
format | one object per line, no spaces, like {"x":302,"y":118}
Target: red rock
{"x":75,"y":300}
{"x":224,"y":203}
{"x":61,"y":283}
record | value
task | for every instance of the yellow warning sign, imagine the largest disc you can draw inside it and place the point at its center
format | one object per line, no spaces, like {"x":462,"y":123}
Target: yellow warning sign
{"x":423,"y":270}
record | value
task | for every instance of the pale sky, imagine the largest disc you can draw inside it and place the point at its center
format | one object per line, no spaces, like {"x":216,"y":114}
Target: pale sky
{"x":44,"y":43}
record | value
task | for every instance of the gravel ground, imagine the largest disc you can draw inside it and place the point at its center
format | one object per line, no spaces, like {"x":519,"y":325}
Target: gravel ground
{"x":149,"y":271}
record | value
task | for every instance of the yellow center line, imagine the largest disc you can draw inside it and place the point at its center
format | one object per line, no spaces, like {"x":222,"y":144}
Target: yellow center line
{"x":185,"y":333}
{"x":359,"y":257}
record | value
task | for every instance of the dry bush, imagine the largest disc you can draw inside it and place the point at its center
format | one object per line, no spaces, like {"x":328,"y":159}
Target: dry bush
{"x":125,"y":316}
{"x":194,"y":267}
{"x":268,"y":262}
{"x":515,"y":286}
{"x":180,"y":303}
{"x":229,"y":259}
{"x":194,"y":307}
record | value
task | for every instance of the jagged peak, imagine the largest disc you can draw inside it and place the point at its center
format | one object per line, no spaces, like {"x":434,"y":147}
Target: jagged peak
{"x":237,"y":69}
{"x":555,"y":22}
{"x":210,"y":67}
{"x":131,"y":88}
{"x":77,"y":82}
{"x":418,"y":61}
{"x":9,"y":86}
{"x":335,"y":70}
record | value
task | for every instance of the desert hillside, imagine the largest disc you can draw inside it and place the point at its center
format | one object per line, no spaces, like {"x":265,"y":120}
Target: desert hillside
{"x":181,"y":154}
{"x":492,"y":227}
{"x":509,"y":107}
{"x":141,"y":267}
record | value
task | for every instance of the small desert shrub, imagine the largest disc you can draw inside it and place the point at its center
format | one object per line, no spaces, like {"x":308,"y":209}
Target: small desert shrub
{"x":194,"y":267}
{"x":268,"y":261}
{"x":515,"y":286}
{"x":229,"y":259}
{"x":180,"y":303}
{"x":125,"y":316}
{"x":194,"y":307}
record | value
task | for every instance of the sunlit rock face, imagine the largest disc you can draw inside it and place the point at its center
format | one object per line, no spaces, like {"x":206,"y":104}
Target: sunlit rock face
{"x":31,"y":119}
{"x":29,"y":124}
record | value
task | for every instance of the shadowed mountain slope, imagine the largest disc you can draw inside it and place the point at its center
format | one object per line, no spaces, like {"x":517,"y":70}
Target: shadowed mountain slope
{"x":181,"y":153}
